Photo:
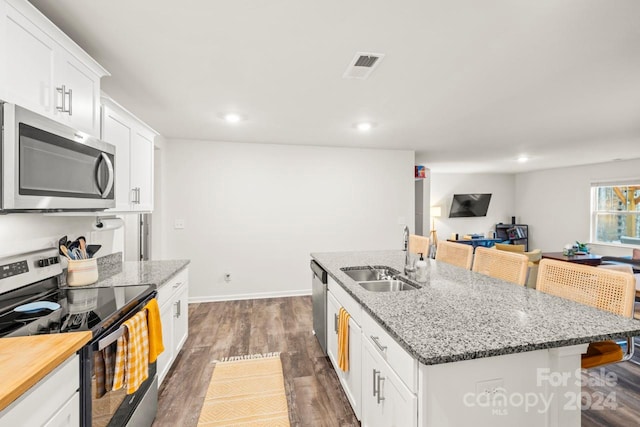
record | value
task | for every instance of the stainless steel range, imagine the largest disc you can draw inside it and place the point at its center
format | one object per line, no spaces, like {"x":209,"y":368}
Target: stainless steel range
{"x":33,"y":278}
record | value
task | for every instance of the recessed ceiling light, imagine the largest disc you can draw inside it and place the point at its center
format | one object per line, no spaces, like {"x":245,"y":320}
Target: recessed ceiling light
{"x":523,"y":159}
{"x":364,"y":126}
{"x":232,"y":118}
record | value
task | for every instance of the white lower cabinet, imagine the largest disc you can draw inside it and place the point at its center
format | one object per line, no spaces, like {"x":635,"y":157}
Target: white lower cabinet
{"x":333,"y":307}
{"x":166,"y":357}
{"x":173,"y":299}
{"x":180,"y":317}
{"x":374,"y":358}
{"x":53,"y":402}
{"x":68,"y":415}
{"x":386,"y":401}
{"x":350,"y":380}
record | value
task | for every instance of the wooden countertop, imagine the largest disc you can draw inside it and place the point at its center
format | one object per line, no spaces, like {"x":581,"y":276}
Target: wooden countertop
{"x":26,"y":360}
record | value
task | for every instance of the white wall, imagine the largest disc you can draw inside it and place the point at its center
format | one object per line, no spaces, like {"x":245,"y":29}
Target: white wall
{"x":257,"y":211}
{"x":501,"y":207}
{"x":28,"y":232}
{"x":557,"y":203}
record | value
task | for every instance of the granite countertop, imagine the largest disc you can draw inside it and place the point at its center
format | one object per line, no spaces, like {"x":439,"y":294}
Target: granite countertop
{"x":461,"y":315}
{"x":114,"y":272}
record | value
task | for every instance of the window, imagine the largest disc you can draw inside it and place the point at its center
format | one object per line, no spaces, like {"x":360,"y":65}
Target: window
{"x":615,"y":214}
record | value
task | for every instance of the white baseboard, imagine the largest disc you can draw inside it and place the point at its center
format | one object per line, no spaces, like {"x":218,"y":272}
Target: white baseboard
{"x":260,"y":295}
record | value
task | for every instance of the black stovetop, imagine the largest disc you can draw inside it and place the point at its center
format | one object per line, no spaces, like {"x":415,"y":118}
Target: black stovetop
{"x":82,"y":309}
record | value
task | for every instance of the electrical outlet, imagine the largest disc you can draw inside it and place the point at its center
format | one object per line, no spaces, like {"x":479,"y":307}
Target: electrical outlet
{"x":178,"y":224}
{"x":227,"y":277}
{"x":489,"y":386}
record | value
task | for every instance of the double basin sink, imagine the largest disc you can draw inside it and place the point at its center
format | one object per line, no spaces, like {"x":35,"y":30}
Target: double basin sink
{"x":378,"y":279}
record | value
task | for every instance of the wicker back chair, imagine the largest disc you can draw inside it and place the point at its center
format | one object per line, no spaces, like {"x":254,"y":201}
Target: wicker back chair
{"x":457,"y":254}
{"x":419,"y":245}
{"x":606,"y":289}
{"x":509,"y":266}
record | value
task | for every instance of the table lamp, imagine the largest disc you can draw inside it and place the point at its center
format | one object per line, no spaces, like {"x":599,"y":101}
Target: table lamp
{"x":436,"y":212}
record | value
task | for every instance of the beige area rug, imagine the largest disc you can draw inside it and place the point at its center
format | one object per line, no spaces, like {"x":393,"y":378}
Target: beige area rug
{"x":246,"y":392}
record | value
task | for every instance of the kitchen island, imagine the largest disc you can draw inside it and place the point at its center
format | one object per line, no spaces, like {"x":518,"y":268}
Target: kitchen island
{"x":484,"y":351}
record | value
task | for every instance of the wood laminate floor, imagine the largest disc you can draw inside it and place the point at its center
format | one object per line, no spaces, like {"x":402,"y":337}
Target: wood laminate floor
{"x":232,"y":328}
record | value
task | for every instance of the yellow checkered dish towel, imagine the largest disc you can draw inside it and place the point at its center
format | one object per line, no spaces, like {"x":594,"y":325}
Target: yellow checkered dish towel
{"x":132,"y":354}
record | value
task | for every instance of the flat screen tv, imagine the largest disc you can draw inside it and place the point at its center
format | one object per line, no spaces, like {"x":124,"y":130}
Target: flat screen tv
{"x":468,"y":205}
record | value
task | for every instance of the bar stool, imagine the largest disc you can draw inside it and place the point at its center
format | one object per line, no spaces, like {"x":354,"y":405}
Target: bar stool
{"x":457,"y":254}
{"x":605,"y":289}
{"x":509,"y":266}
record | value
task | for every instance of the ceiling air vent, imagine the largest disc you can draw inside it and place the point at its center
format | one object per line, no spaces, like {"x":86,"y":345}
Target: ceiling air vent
{"x":362,"y":65}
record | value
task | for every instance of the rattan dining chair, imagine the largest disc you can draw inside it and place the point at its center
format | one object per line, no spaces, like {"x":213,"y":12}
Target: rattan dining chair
{"x":457,"y":254}
{"x":627,"y":268}
{"x":509,"y":266}
{"x":419,"y":245}
{"x":605,"y":289}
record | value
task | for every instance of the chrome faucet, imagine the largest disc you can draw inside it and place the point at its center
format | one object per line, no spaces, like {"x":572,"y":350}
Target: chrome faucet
{"x":408,"y":268}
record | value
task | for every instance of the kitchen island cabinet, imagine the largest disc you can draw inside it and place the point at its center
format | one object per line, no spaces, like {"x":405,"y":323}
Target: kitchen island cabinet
{"x":468,"y":349}
{"x":350,"y":380}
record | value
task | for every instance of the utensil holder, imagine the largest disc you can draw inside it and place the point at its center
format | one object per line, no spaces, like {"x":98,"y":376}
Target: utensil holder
{"x":82,"y":272}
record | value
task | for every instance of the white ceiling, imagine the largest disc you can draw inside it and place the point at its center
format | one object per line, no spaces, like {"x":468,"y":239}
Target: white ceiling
{"x":468,"y":84}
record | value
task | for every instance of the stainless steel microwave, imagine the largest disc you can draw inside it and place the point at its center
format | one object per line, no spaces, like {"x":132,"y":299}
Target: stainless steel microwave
{"x":50,"y":167}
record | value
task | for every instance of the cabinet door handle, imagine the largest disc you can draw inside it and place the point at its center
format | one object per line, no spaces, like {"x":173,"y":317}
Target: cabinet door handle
{"x":375,"y":373}
{"x":177,"y":285}
{"x":377,"y":343}
{"x":380,"y":379}
{"x":62,"y":90}
{"x":138,"y":195}
{"x":133,"y":195}
{"x":177,"y":310}
{"x":70,"y":109}
{"x":335,"y":323}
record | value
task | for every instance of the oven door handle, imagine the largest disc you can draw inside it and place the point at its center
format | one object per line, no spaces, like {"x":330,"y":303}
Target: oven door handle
{"x":108,"y":339}
{"x":111,"y":338}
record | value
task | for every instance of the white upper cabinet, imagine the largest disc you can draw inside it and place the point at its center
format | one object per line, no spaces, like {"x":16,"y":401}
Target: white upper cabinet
{"x":142,"y":169}
{"x":117,"y":130}
{"x":28,"y":64}
{"x":134,"y":143}
{"x":79,"y":89}
{"x":44,"y":71}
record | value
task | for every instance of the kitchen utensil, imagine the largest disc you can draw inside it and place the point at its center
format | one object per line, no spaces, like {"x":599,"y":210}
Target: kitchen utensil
{"x":83,"y":246}
{"x":92,"y":249}
{"x":77,"y":254}
{"x":64,"y":251}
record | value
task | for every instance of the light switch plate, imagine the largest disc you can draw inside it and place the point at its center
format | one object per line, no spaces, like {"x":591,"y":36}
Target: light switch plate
{"x":178,"y":224}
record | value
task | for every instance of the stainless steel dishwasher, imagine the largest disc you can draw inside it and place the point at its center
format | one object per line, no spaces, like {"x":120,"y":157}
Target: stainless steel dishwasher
{"x":319,"y":299}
